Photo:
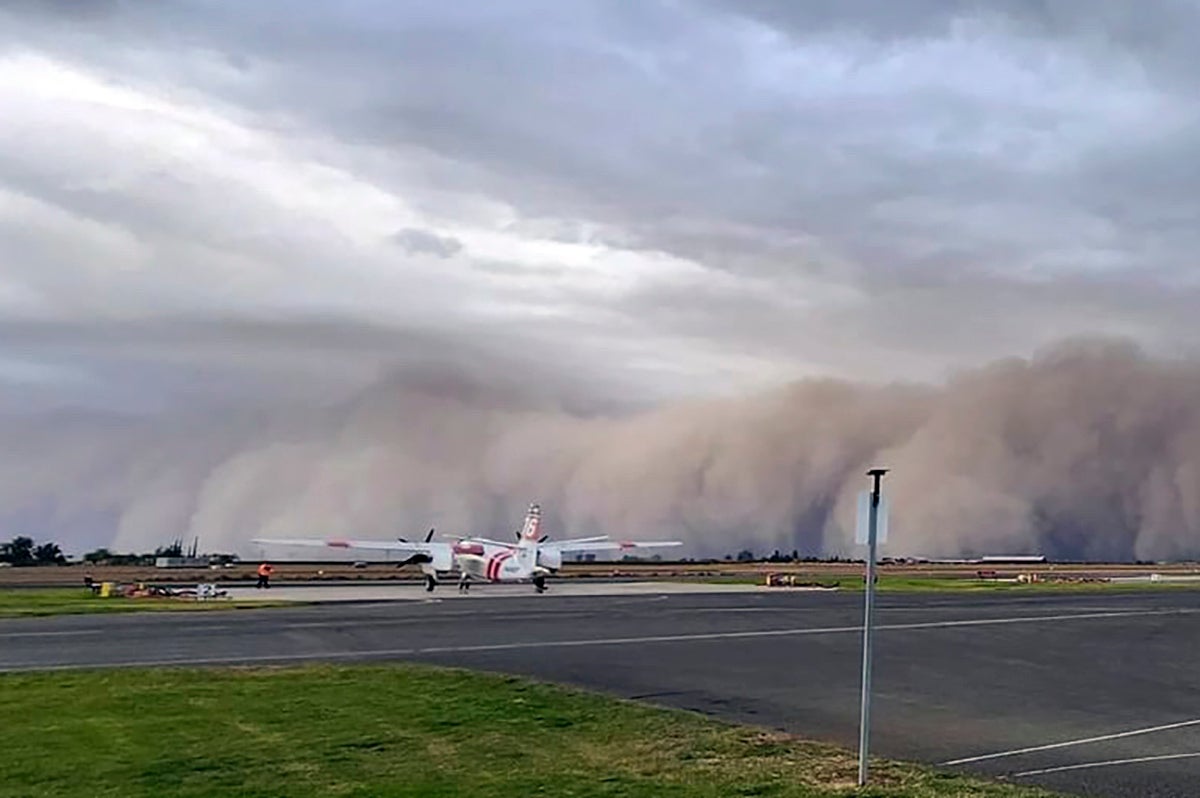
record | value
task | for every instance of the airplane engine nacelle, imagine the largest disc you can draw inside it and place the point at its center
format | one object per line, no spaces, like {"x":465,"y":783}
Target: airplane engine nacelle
{"x":442,"y":559}
{"x":549,"y":558}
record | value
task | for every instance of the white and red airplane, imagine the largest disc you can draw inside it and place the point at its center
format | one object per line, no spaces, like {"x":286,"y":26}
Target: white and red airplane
{"x":532,"y":558}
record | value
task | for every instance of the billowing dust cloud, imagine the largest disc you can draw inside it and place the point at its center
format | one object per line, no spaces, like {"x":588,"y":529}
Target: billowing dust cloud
{"x":1090,"y":450}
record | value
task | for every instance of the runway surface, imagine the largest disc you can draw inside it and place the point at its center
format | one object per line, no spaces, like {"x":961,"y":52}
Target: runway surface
{"x":1103,"y":688}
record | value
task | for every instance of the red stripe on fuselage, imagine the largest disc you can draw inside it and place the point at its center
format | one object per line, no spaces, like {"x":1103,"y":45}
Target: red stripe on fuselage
{"x":493,"y":566}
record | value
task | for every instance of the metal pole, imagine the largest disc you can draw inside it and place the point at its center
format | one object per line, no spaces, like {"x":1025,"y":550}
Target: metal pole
{"x":864,"y":723}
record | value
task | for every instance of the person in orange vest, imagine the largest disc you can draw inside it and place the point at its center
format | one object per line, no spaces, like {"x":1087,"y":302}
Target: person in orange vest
{"x":264,"y":574}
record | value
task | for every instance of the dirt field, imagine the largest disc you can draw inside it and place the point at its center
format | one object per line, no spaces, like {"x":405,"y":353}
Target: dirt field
{"x":286,"y":572}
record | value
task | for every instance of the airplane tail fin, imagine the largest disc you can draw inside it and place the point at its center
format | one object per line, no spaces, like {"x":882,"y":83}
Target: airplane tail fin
{"x":531,"y":530}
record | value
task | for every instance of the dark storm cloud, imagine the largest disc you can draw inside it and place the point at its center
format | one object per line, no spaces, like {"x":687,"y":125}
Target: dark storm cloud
{"x":662,"y":119}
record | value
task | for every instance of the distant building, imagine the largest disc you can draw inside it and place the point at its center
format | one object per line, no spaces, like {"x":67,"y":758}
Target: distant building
{"x":990,"y":559}
{"x":995,"y":559}
{"x":181,"y":562}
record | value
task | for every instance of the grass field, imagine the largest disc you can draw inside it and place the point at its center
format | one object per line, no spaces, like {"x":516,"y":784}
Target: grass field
{"x":400,"y":731}
{"x":18,"y":602}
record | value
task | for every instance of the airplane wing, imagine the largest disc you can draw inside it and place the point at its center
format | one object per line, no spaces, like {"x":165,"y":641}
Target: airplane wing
{"x":604,"y":544}
{"x":578,"y":541}
{"x":406,"y":547}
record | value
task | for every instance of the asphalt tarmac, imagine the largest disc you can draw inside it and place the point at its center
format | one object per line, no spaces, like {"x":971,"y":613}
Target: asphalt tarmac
{"x":1102,"y":687}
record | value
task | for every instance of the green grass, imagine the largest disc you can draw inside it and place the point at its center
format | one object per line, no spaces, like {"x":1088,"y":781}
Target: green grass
{"x":400,"y":731}
{"x":33,"y":601}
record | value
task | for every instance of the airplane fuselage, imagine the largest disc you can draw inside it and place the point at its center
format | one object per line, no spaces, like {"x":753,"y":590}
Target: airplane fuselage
{"x":492,"y":563}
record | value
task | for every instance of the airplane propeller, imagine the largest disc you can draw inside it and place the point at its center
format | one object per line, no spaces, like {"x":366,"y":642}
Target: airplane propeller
{"x":419,"y":557}
{"x":428,"y":537}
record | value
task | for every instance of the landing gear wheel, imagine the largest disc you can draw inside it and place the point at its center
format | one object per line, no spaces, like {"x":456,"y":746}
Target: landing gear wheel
{"x":430,"y":583}
{"x":539,"y":584}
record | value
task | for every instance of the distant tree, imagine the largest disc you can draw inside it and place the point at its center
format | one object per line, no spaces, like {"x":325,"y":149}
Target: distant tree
{"x":49,"y":554}
{"x":20,"y":551}
{"x":745,"y":555}
{"x":99,"y":555}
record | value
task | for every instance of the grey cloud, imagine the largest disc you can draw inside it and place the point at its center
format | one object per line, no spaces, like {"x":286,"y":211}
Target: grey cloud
{"x":905,"y":328}
{"x":1107,"y":22}
{"x":656,"y":122}
{"x":85,"y":9}
{"x":245,"y":363}
{"x":857,"y":176}
{"x":423,"y":242}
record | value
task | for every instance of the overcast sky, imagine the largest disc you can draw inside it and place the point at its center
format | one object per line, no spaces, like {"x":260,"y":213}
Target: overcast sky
{"x":221,"y":199}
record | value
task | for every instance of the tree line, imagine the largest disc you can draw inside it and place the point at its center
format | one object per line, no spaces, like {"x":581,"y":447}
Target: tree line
{"x":103,"y":556}
{"x":21,"y":551}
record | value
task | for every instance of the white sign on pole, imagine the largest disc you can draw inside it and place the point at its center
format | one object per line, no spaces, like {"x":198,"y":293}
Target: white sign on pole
{"x":862,"y":522}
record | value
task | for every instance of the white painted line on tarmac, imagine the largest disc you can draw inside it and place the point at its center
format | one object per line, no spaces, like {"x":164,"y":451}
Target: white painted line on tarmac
{"x":63,"y":633}
{"x":1106,"y":763}
{"x":603,"y":641}
{"x":1070,"y":743}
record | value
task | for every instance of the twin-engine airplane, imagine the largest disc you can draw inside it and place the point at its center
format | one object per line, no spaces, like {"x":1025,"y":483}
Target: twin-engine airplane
{"x":532,"y":558}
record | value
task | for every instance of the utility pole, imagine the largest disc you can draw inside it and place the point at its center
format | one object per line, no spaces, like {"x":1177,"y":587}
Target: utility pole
{"x":864,"y":723}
